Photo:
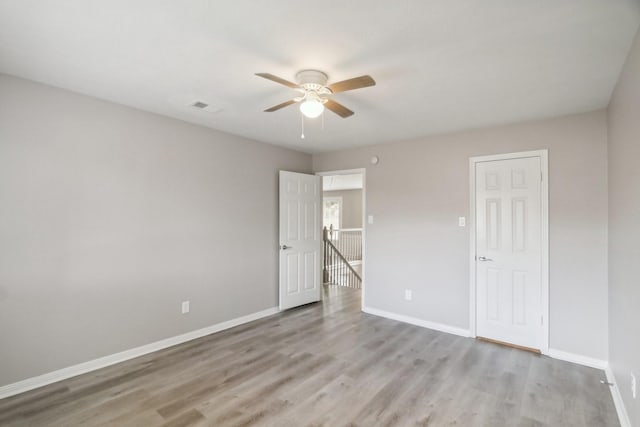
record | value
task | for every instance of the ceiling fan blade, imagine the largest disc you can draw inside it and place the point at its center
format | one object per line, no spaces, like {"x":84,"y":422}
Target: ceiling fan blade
{"x":279,"y":106}
{"x":339,"y":109}
{"x":351,"y":84}
{"x":277,"y":80}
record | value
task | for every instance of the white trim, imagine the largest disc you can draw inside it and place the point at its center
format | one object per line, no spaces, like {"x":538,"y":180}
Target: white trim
{"x":544,"y":274}
{"x":544,"y":249}
{"x":579,"y":359}
{"x":509,"y":156}
{"x":342,"y":172}
{"x":418,"y":322}
{"x":102,"y":362}
{"x":623,"y":416}
{"x":363,"y":171}
{"x":364,"y":232}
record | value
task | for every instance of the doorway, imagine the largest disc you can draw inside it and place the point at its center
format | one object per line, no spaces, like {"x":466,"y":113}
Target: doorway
{"x":509,"y":249}
{"x":343,"y":212}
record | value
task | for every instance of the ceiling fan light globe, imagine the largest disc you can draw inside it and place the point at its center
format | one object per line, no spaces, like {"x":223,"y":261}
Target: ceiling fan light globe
{"x":311,"y":108}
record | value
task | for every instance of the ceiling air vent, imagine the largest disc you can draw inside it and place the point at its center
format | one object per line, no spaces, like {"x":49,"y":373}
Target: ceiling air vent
{"x":199,"y":104}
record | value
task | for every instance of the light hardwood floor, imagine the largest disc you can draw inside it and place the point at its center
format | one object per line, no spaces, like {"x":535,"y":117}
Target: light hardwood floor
{"x":325,"y":364}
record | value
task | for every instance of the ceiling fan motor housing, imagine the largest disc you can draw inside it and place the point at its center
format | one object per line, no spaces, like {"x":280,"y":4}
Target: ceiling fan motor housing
{"x":312,"y":80}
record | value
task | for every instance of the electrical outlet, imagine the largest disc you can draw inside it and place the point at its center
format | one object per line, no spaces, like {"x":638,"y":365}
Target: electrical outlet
{"x":370,"y":219}
{"x":462,"y":221}
{"x":633,"y":385}
{"x":185,"y":307}
{"x":407,"y":294}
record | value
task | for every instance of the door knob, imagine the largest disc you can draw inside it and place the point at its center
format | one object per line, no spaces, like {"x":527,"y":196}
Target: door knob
{"x":482,"y":258}
{"x":284,"y":247}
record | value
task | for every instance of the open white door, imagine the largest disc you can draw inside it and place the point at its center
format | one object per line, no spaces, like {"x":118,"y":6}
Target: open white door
{"x":509,"y":251}
{"x":300,"y":239}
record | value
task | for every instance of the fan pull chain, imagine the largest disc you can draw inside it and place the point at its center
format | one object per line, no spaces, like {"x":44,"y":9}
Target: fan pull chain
{"x":302,"y":120}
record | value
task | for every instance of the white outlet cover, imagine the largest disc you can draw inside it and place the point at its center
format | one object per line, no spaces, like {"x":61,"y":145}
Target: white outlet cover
{"x":408,"y":294}
{"x":462,"y":221}
{"x":370,"y":219}
{"x":185,"y":307}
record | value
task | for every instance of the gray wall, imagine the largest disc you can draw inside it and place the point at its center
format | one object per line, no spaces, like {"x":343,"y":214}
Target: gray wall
{"x":420,"y":188}
{"x":624,"y":230}
{"x":351,"y":207}
{"x":110,"y":217}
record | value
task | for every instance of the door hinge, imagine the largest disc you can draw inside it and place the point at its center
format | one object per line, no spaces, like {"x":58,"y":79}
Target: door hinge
{"x":541,"y":320}
{"x":541,"y":176}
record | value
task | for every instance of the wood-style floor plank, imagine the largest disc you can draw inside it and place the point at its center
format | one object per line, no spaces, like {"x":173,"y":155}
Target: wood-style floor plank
{"x":325,"y":364}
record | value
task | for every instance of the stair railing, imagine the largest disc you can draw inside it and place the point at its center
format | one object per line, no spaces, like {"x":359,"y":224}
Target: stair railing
{"x":348,"y":241}
{"x":336,"y":267}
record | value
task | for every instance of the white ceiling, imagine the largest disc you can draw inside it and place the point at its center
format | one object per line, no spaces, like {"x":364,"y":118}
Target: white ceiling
{"x":441,"y":65}
{"x":342,"y":182}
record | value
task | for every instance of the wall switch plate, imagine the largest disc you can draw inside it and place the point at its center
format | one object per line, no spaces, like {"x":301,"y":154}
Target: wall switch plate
{"x":185,"y":307}
{"x":633,"y":385}
{"x":408,"y":294}
{"x":462,"y":221}
{"x":370,"y":219}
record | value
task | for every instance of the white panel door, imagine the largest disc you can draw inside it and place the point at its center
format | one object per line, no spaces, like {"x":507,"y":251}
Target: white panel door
{"x":508,"y":251}
{"x":300,"y":239}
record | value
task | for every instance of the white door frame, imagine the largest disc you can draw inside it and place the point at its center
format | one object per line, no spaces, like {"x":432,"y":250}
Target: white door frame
{"x":363,"y":171}
{"x":544,"y":248}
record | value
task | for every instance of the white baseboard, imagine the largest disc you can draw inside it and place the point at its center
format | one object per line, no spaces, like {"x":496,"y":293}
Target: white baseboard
{"x":577,"y":358}
{"x":623,"y":416}
{"x":102,"y":362}
{"x":418,"y":322}
{"x":556,"y":354}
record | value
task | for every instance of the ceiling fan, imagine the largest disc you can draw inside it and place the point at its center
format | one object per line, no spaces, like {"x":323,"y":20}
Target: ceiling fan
{"x":315,"y":93}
